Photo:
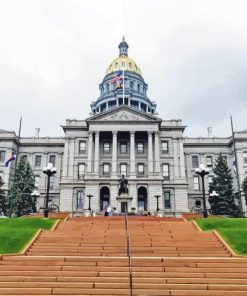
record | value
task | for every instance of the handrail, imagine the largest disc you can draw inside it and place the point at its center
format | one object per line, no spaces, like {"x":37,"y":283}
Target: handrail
{"x":128,"y":251}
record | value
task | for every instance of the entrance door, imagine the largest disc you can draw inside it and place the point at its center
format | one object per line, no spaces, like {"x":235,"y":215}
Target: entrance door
{"x":142,"y":199}
{"x":124,"y":205}
{"x":104,"y":198}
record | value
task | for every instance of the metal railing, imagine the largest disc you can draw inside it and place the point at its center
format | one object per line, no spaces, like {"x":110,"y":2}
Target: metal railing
{"x":128,"y":251}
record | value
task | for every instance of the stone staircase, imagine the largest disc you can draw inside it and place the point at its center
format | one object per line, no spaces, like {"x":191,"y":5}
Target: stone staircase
{"x":88,"y":256}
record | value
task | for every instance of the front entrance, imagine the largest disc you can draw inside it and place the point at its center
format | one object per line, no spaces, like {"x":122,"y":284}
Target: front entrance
{"x":124,"y":205}
{"x":142,"y":199}
{"x":104,"y":197}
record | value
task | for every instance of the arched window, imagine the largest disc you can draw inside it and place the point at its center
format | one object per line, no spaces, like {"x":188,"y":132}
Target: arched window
{"x":104,"y":197}
{"x":142,"y":199}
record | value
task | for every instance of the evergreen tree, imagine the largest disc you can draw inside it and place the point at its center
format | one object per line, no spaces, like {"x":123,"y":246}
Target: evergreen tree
{"x":3,"y":199}
{"x":222,"y":183}
{"x":244,"y":187}
{"x":20,"y":198}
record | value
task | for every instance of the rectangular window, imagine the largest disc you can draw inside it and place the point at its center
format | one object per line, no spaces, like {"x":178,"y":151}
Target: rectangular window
{"x":52,"y":180}
{"x":196,"y":183}
{"x":165,"y":169}
{"x":164,"y":146}
{"x":140,"y":147}
{"x":123,"y":148}
{"x":106,"y":169}
{"x":81,"y":170}
{"x":36,"y":182}
{"x":140,"y":169}
{"x":82,"y":147}
{"x":37,"y":161}
{"x":209,"y":161}
{"x":195,"y":162}
{"x":24,"y":157}
{"x":245,"y":157}
{"x":52,"y":159}
{"x":80,"y":199}
{"x":2,"y":156}
{"x":123,"y":169}
{"x":106,"y":147}
{"x":167,"y":199}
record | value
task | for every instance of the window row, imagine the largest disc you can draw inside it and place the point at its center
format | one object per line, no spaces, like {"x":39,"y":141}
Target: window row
{"x":196,"y":182}
{"x":209,"y":160}
{"x":106,"y":170}
{"x":123,"y":147}
{"x":37,"y":181}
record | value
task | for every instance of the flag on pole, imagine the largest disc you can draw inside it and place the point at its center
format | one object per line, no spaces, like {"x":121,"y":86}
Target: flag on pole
{"x":12,"y":157}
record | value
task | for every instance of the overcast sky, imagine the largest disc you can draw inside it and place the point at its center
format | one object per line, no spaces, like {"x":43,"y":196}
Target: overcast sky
{"x":54,"y":54}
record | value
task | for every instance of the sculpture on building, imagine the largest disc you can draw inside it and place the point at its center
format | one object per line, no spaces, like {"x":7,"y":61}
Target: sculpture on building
{"x":123,"y":186}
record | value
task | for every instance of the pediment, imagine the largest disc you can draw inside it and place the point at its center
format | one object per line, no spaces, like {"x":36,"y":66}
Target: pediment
{"x":123,"y":114}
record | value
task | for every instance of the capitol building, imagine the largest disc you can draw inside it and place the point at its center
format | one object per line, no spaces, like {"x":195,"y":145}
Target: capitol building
{"x":123,"y":136}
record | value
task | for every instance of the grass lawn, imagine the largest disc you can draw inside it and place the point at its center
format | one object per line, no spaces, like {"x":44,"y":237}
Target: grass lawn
{"x":15,"y":233}
{"x":233,"y":230}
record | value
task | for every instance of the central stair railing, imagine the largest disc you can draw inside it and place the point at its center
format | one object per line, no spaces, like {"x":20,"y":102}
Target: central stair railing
{"x":128,"y":251}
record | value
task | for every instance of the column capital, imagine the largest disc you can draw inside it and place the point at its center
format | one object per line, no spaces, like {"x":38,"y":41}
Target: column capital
{"x":132,"y":132}
{"x":150,"y":133}
{"x":114,"y":132}
{"x":97,"y":133}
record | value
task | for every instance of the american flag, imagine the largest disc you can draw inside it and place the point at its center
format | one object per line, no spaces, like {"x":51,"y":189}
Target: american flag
{"x":117,"y":78}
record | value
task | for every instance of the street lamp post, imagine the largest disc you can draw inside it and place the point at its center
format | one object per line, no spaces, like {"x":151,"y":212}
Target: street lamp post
{"x":34,"y":196}
{"x":89,"y":201}
{"x":49,"y":171}
{"x":157,"y":197}
{"x":202,"y":171}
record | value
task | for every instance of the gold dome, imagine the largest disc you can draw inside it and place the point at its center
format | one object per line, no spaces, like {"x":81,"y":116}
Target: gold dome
{"x":123,"y":62}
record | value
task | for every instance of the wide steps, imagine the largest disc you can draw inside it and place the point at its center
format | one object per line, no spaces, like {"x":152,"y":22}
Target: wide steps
{"x":88,"y":256}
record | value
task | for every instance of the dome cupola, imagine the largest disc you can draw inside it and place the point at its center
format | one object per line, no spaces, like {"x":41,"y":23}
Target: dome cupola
{"x":123,"y":84}
{"x":123,"y":47}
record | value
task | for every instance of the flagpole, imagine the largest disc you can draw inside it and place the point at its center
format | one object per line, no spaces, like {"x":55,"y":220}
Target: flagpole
{"x":17,"y":149}
{"x":123,"y":86}
{"x":16,"y":159}
{"x":236,"y":165}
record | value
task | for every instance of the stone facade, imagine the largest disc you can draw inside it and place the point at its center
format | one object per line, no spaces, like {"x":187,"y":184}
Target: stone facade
{"x":123,"y":136}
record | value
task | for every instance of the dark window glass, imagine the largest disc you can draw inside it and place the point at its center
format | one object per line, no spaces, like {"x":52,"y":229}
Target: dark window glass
{"x":209,"y":160}
{"x":164,"y":146}
{"x":167,"y":199}
{"x":106,"y":147}
{"x":195,"y":163}
{"x":2,"y":156}
{"x":37,"y":161}
{"x":166,"y":171}
{"x":140,"y":147}
{"x":140,"y":169}
{"x":52,"y":159}
{"x":106,"y":169}
{"x":82,"y":146}
{"x":123,"y":148}
{"x":81,"y":171}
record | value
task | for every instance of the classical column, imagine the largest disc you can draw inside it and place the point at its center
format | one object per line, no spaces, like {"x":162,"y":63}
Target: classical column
{"x":114,"y":152}
{"x":157,"y":152}
{"x":150,"y":153}
{"x":176,"y":164}
{"x":90,"y":150}
{"x":96,"y":153}
{"x":65,"y":158}
{"x":71,"y":158}
{"x":182,"y":163}
{"x":132,"y":153}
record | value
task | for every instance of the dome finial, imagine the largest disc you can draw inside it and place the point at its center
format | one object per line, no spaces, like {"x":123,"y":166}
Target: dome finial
{"x":123,"y":47}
